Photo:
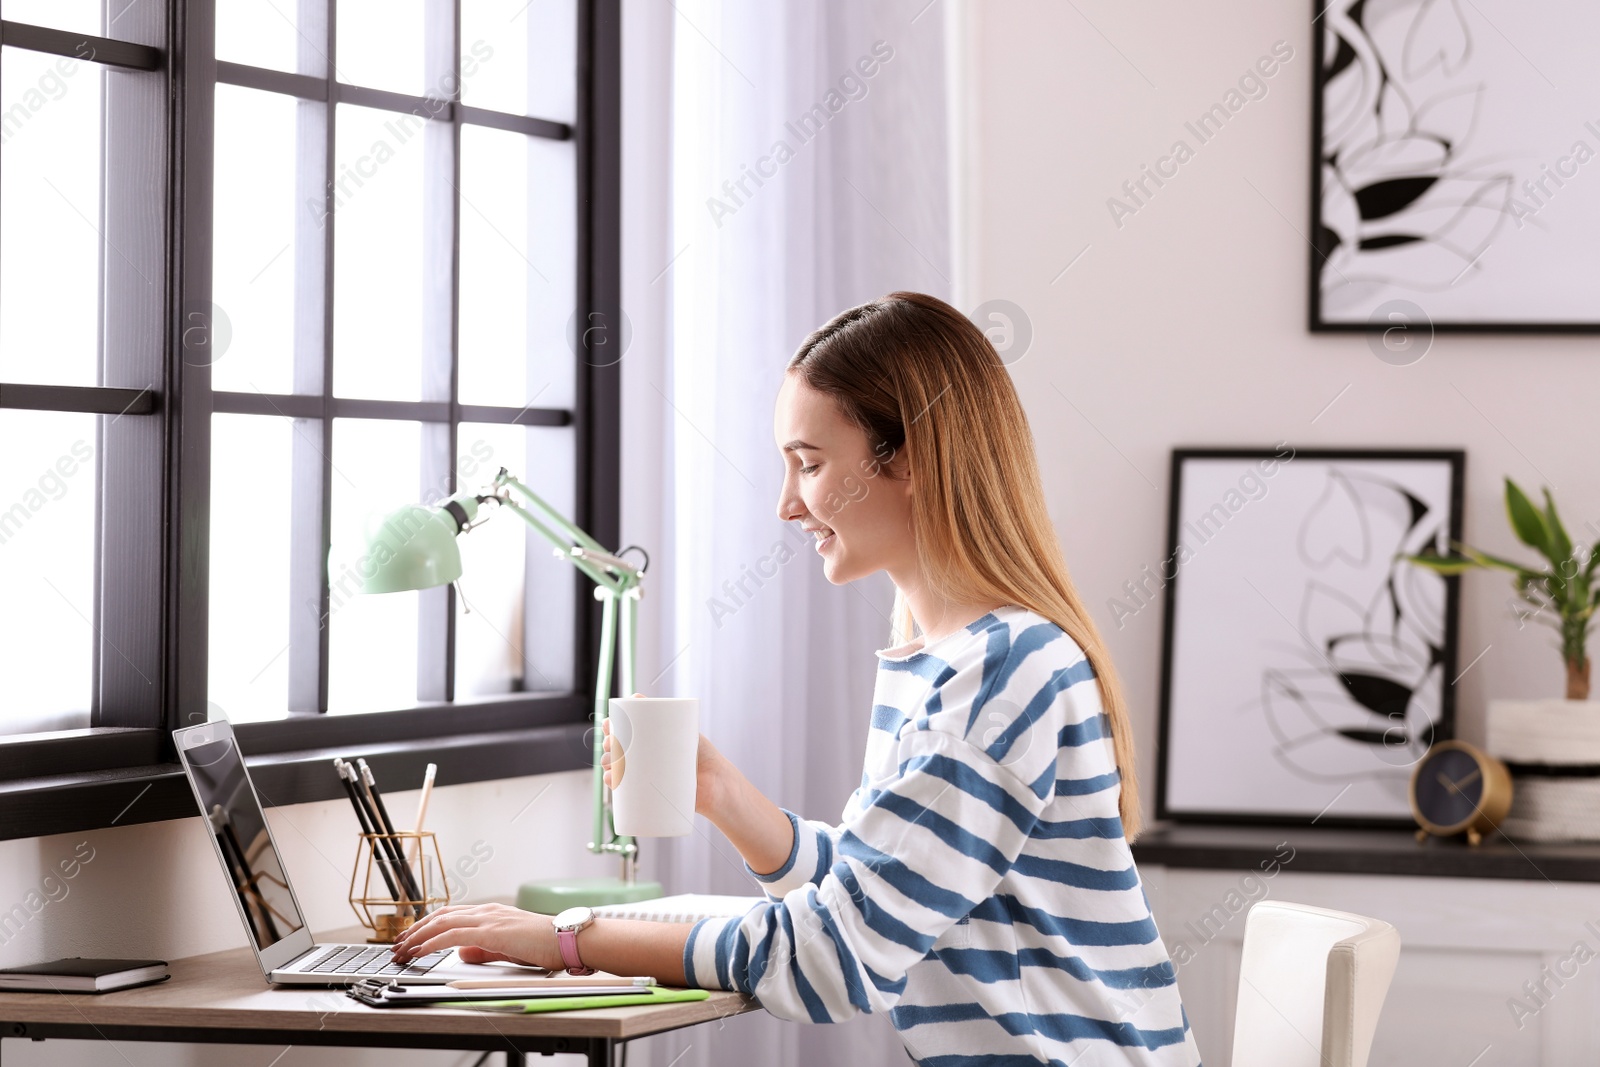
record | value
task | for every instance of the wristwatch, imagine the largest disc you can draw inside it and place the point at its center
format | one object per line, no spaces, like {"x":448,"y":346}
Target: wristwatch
{"x":567,"y":925}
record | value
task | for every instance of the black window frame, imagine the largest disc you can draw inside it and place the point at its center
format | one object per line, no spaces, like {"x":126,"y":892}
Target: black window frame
{"x":155,"y":476}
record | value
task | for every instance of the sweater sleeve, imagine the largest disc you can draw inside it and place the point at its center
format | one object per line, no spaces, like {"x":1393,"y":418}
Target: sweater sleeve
{"x":815,"y":845}
{"x":929,"y":846}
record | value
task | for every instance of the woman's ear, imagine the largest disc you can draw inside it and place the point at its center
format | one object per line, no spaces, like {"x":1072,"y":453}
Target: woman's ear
{"x":899,"y":465}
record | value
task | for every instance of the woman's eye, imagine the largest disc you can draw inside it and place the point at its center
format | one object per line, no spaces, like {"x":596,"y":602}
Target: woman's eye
{"x":808,"y":470}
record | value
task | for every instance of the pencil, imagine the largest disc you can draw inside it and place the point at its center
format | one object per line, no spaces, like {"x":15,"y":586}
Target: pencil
{"x":422,"y":810}
{"x":346,"y":775}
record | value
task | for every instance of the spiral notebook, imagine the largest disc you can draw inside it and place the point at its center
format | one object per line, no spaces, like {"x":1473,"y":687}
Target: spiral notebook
{"x":682,"y":908}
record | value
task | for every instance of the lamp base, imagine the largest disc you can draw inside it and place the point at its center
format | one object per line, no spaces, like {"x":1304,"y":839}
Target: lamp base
{"x":548,"y":898}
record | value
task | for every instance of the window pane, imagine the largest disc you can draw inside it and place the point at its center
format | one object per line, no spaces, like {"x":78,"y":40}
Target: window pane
{"x":550,"y":471}
{"x":552,"y":62}
{"x":49,"y":214}
{"x":552,"y":293}
{"x":518,"y":263}
{"x":264,"y":33}
{"x":380,"y":46}
{"x":47,"y":510}
{"x":372,"y":661}
{"x":495,"y":271}
{"x":250,"y":514}
{"x":79,"y":16}
{"x":496,"y":39}
{"x":378,"y":273}
{"x":253,"y":265}
{"x":489,"y":638}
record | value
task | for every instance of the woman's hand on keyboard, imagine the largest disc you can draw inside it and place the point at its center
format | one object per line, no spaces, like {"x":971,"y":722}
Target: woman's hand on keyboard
{"x":484,"y":933}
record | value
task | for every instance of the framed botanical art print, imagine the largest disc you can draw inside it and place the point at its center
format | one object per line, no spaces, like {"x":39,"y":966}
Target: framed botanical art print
{"x":1305,"y":667}
{"x":1455,"y":165}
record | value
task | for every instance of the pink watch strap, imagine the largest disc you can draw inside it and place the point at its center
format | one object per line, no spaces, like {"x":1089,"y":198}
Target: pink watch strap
{"x":567,"y":941}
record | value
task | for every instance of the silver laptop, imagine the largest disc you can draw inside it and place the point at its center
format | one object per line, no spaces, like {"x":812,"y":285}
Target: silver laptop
{"x":259,"y":884}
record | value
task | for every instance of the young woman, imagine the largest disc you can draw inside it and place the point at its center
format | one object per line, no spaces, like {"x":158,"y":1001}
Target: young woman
{"x":979,"y":887}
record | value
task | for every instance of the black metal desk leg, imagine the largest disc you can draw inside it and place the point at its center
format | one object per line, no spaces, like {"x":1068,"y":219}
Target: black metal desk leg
{"x":516,"y":1059}
{"x":601,"y":1052}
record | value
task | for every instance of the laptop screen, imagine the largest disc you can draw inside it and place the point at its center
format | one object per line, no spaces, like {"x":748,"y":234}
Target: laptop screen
{"x":229,"y":804}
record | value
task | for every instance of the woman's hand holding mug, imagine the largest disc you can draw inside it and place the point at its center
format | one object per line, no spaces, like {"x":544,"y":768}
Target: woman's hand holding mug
{"x":709,"y":767}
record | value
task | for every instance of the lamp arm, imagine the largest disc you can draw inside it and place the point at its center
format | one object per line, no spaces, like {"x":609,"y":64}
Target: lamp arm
{"x":618,"y":581}
{"x":620,"y":618}
{"x":630,"y":636}
{"x":575,"y":532}
{"x":603,"y":834}
{"x":563,"y":545}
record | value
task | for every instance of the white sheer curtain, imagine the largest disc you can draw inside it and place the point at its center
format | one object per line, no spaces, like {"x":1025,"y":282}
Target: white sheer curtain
{"x":754,"y":246}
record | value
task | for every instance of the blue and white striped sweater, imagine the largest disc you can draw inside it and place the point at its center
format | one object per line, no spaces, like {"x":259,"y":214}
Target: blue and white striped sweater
{"x":979,"y":888}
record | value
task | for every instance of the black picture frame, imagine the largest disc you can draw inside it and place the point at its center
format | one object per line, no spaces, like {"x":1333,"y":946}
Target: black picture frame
{"x":1412,"y":309}
{"x":1453,"y":461}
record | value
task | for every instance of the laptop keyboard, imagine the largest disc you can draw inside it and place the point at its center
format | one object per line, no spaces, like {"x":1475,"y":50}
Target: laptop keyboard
{"x":363,"y":961}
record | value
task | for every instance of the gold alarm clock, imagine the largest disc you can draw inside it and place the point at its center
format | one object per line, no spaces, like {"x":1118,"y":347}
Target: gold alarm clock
{"x":1456,"y":788}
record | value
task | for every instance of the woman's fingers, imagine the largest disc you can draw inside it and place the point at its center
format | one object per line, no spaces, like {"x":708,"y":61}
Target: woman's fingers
{"x":440,"y":919}
{"x":495,"y":928}
{"x":614,"y":764}
{"x":427,"y":922}
{"x":612,"y":759}
{"x":455,"y":937}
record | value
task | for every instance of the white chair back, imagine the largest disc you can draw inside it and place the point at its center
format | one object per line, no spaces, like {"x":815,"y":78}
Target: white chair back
{"x":1311,"y":986}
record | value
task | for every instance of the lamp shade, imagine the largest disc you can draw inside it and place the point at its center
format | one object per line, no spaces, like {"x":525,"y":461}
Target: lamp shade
{"x":413,"y":547}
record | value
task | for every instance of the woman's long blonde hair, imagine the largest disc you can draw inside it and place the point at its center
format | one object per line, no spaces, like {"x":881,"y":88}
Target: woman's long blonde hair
{"x":911,"y":370}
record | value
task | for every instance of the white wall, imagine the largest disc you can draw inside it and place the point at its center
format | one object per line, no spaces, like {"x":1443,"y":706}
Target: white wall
{"x":1186,"y":325}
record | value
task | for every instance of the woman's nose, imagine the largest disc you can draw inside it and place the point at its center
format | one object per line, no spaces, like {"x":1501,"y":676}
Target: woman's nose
{"x":790,"y":507}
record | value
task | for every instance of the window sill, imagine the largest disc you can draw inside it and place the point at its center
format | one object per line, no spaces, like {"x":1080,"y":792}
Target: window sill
{"x":121,"y":796}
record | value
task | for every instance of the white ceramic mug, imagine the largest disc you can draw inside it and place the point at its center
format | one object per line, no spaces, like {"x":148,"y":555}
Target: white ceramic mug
{"x":659,"y":738}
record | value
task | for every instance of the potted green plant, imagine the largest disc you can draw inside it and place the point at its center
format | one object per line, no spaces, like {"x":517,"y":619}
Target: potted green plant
{"x":1552,"y":746}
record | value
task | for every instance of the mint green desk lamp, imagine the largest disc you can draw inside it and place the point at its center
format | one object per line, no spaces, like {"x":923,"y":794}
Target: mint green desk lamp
{"x":414,"y":547}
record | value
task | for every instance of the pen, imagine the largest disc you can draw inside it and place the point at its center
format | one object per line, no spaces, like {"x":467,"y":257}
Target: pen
{"x":408,"y":880}
{"x":347,"y":776}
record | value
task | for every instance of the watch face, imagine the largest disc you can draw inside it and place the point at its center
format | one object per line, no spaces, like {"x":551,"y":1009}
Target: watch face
{"x":573,"y":918}
{"x":1449,"y":788}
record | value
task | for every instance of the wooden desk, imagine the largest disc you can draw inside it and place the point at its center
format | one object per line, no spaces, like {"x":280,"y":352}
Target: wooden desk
{"x":222,"y":998}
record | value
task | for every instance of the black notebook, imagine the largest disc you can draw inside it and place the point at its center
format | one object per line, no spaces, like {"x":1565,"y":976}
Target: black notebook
{"x":78,"y":975}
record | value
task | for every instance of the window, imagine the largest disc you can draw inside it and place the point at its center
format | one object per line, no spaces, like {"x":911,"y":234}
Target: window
{"x":240,"y":313}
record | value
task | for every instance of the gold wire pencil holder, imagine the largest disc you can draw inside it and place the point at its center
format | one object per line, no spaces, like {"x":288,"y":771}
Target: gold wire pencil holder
{"x":397,"y":874}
